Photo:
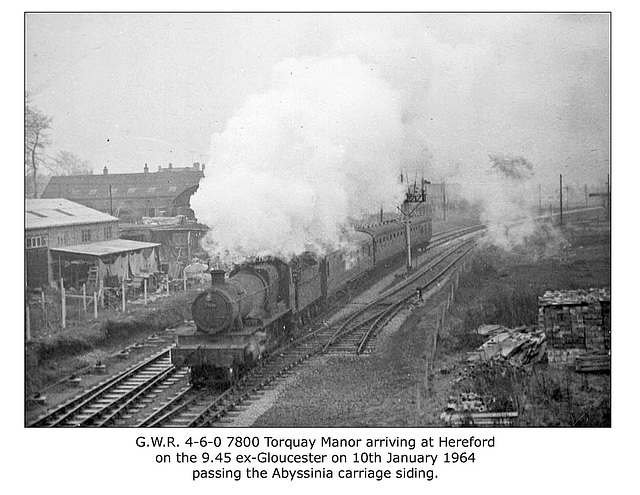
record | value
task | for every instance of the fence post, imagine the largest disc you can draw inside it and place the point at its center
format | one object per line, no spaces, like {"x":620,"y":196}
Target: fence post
{"x":184,"y":280}
{"x":28,"y":321}
{"x":124,"y":305}
{"x":167,"y":284}
{"x":145,"y":291}
{"x":44,"y":309}
{"x":444,"y":314}
{"x":64,"y":304}
{"x":84,"y":298}
{"x":95,"y":305}
{"x":426,"y":374}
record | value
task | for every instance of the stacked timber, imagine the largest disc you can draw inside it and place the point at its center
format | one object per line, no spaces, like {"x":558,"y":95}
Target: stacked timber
{"x":594,"y":361}
{"x":576,"y":318}
{"x":470,"y":409}
{"x":518,"y":346}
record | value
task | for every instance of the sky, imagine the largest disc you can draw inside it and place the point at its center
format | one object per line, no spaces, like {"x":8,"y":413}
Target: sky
{"x":128,"y":89}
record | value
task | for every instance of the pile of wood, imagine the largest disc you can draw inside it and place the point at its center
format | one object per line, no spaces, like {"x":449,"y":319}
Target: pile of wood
{"x":518,"y":346}
{"x":574,"y":297}
{"x":470,"y":409}
{"x":595,"y":361}
{"x":576,"y":318}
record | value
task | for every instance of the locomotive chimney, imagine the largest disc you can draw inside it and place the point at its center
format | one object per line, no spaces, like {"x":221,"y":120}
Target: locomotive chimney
{"x":217,"y":277}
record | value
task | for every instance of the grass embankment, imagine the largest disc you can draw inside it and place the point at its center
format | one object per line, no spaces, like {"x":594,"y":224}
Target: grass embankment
{"x":52,"y":356}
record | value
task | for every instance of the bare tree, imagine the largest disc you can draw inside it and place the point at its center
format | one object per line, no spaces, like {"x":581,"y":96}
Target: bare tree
{"x":68,"y":163}
{"x":36,"y":138}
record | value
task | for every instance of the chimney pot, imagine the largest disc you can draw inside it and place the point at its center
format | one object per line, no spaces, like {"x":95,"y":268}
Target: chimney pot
{"x":217,"y":277}
{"x":105,"y":170}
{"x":146,"y":168}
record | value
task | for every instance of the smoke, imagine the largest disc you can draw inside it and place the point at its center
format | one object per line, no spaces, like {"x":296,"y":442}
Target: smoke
{"x":505,"y":196}
{"x":297,"y":162}
{"x":457,"y":98}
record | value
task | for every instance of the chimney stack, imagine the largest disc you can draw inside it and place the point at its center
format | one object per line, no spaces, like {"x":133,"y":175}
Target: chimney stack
{"x":105,"y":170}
{"x":146,"y":168}
{"x":170,"y":166}
{"x":217,"y":277}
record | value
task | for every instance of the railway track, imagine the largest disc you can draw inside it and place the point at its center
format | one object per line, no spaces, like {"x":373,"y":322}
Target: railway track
{"x":348,"y":336}
{"x":102,"y":404}
{"x":355,"y":333}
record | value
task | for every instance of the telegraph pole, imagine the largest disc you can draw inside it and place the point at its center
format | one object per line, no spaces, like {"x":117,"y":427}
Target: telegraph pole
{"x":417,"y":197}
{"x":608,"y":199}
{"x":586,"y":196}
{"x":444,"y":201}
{"x":561,"y":200}
{"x":539,"y":199}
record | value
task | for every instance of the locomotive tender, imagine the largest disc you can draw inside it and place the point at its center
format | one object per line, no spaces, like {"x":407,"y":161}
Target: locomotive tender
{"x":240,"y":319}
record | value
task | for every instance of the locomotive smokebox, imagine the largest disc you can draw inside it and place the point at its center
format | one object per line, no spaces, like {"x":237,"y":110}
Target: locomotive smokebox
{"x":217,"y":277}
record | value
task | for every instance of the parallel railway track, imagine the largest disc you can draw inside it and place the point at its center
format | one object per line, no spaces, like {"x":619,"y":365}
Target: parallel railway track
{"x":98,"y":405}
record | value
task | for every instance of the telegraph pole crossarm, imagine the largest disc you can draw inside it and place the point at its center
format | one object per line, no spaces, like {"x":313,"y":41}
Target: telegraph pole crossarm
{"x":413,"y":196}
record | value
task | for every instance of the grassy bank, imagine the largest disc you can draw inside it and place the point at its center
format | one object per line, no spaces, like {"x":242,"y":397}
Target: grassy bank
{"x":49,"y":357}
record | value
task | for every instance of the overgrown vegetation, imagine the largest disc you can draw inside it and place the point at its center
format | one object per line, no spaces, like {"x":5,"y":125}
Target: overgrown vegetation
{"x":502,"y":288}
{"x":45,"y":353}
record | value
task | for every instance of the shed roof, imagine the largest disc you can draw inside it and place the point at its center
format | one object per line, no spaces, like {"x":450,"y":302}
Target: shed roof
{"x":113,"y":246}
{"x":58,"y":212}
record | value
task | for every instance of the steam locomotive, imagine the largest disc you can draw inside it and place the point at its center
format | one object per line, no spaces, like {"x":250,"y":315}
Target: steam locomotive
{"x":241,"y":318}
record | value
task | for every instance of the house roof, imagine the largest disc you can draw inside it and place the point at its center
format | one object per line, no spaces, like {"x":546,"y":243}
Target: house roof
{"x":58,"y":212}
{"x":113,"y":246}
{"x":167,"y":183}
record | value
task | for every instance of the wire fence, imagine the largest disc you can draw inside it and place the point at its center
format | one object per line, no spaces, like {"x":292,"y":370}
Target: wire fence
{"x":52,"y":309}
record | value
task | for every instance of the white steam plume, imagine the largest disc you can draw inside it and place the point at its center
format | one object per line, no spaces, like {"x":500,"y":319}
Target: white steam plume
{"x":297,"y":162}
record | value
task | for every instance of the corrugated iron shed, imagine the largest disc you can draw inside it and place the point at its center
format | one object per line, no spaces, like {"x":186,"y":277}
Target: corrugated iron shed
{"x":58,"y":212}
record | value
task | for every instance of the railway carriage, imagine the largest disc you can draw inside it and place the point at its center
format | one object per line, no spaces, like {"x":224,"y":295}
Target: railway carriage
{"x":340,"y":269}
{"x":389,"y":238}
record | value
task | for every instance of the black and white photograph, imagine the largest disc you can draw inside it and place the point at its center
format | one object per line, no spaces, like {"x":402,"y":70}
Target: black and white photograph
{"x":383,"y":226}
